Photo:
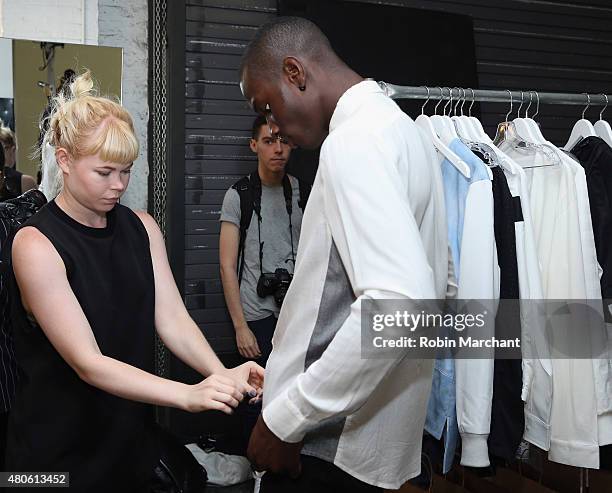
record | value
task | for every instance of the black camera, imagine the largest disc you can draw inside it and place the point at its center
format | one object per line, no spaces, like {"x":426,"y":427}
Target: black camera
{"x":275,"y":284}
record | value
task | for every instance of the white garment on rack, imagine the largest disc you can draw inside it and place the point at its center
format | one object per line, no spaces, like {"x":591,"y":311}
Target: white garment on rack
{"x":536,"y":364}
{"x":479,"y":280}
{"x":565,"y":258}
{"x":602,"y":373}
{"x":472,"y":239}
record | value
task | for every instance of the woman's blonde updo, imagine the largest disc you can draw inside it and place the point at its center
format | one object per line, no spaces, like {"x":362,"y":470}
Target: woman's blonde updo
{"x":85,"y":124}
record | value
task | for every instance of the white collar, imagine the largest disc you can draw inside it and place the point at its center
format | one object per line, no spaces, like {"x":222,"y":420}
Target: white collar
{"x":351,"y":100}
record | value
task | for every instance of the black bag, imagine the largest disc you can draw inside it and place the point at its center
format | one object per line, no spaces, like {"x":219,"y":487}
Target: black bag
{"x":178,"y":471}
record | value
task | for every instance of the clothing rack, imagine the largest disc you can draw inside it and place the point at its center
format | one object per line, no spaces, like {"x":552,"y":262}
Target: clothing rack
{"x":489,"y":96}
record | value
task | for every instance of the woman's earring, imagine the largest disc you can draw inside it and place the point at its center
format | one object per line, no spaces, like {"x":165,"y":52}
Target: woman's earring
{"x":302,"y":88}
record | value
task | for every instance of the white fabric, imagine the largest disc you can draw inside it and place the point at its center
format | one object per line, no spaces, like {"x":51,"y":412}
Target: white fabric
{"x":536,"y":363}
{"x":601,"y":366}
{"x":574,"y":438}
{"x":377,"y":199}
{"x":222,"y":469}
{"x":559,"y":205}
{"x":52,"y":180}
{"x":479,"y":280}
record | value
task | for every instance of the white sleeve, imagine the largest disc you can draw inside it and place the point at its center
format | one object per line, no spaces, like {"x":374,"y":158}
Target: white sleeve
{"x":478,"y":280}
{"x":378,"y":240}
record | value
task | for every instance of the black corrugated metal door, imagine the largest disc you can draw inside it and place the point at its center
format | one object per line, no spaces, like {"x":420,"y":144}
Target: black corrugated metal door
{"x":217,"y":124}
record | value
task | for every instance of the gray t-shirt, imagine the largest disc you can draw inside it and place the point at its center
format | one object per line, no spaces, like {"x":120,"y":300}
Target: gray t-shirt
{"x":277,"y":243}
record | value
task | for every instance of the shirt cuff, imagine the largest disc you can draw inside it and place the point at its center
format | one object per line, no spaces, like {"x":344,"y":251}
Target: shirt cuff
{"x":474,"y":450}
{"x":284,"y":419}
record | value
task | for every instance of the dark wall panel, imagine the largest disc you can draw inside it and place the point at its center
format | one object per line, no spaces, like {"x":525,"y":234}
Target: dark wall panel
{"x":217,"y":124}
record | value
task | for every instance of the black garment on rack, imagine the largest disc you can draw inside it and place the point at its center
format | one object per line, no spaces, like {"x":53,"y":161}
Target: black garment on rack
{"x":507,"y":411}
{"x":58,"y":422}
{"x":595,"y":156}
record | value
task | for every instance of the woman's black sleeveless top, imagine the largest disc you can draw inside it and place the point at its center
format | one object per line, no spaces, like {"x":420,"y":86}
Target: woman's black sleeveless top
{"x":58,"y":422}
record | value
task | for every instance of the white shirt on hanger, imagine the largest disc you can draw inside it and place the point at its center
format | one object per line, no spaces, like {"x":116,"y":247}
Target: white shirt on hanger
{"x":536,"y":364}
{"x":602,"y":371}
{"x":565,"y":255}
{"x":469,"y":203}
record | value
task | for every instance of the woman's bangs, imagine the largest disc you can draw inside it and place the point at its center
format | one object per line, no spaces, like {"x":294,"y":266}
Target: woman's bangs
{"x":116,"y":143}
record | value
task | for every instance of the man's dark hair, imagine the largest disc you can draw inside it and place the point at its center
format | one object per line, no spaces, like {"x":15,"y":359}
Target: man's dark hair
{"x":285,"y":36}
{"x":259,"y":122}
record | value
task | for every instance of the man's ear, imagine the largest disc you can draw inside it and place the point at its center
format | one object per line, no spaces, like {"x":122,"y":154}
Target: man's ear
{"x":63,"y":159}
{"x":253,"y":145}
{"x":294,"y":72}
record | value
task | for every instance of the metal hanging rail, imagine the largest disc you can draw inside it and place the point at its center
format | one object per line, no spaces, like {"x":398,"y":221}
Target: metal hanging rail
{"x":488,"y":96}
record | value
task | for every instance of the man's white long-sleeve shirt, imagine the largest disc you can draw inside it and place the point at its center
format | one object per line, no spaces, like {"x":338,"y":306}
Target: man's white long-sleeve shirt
{"x":374,"y":228}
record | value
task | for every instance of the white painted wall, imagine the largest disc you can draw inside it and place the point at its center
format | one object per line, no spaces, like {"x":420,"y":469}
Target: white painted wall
{"x":6,"y":74}
{"x":62,"y":21}
{"x":124,"y":23}
{"x":119,"y":23}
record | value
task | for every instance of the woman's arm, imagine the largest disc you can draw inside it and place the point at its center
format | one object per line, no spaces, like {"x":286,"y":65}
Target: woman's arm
{"x":44,"y":287}
{"x":178,"y":330}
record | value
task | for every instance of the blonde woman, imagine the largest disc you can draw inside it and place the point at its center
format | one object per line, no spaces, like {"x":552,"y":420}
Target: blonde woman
{"x":95,"y":284}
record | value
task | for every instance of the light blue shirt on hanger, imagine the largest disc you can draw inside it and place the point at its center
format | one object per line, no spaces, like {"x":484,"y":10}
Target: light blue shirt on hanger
{"x":441,"y":418}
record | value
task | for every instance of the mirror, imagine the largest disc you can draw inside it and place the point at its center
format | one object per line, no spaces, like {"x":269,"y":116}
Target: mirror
{"x":32,"y":73}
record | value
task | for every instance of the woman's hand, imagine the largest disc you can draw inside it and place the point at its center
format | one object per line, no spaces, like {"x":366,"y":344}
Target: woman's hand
{"x":249,"y":379}
{"x":217,"y":392}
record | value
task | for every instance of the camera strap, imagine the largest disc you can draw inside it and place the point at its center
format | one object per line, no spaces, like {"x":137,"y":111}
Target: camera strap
{"x":288,"y":193}
{"x":249,"y":191}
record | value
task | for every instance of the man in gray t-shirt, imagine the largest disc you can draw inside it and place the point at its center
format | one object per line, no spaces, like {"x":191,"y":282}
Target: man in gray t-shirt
{"x":253,"y":317}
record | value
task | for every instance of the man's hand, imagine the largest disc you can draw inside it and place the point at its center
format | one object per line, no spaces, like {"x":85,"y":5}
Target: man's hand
{"x":247,"y":343}
{"x":249,"y":378}
{"x":267,"y":452}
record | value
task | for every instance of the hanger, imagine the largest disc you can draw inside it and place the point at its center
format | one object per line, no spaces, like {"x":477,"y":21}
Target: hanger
{"x":602,"y":127}
{"x":582,"y":129}
{"x":472,"y":129}
{"x":508,"y":136}
{"x":503,"y":127}
{"x":468,"y":137}
{"x":447,"y":118}
{"x":466,"y":123}
{"x":440,"y":122}
{"x":521,"y":125}
{"x":475,"y":122}
{"x":508,"y":131}
{"x":424,"y":122}
{"x":464,"y":129}
{"x":489,"y":155}
{"x":534,"y":127}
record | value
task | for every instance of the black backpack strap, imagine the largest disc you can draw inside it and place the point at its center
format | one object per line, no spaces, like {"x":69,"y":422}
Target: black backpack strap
{"x":288,"y":193}
{"x":249,"y":192}
{"x":305,"y":188}
{"x":246,"y":211}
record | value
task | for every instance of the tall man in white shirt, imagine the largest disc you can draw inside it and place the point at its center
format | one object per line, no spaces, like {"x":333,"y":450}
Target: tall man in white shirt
{"x":374,"y":229}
